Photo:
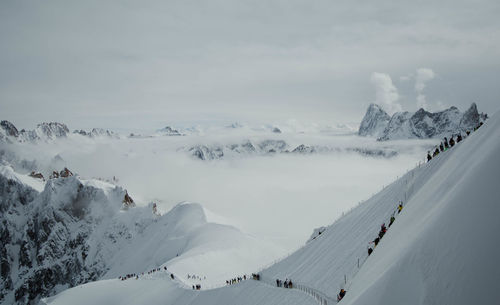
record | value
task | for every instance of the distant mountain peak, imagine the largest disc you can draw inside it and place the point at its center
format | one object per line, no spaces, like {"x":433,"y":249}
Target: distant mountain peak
{"x":421,"y":124}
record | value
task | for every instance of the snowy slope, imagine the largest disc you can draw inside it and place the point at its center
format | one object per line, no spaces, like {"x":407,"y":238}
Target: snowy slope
{"x":70,"y":231}
{"x":440,"y":249}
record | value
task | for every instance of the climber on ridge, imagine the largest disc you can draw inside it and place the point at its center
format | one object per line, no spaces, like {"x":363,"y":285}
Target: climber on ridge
{"x":429,"y":157}
{"x":452,"y":142}
{"x":392,"y":220}
{"x":341,"y":294}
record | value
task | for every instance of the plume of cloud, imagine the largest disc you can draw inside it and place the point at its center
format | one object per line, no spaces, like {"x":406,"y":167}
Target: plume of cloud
{"x":386,"y":93}
{"x":422,"y":76}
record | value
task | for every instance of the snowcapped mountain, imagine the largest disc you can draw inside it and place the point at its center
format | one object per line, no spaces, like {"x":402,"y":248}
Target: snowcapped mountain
{"x":374,"y":122}
{"x":169,"y":131}
{"x":97,"y":132}
{"x":70,"y":231}
{"x":43,"y":131}
{"x":276,"y":146}
{"x":421,"y":124}
{"x":440,"y":249}
{"x":47,"y":132}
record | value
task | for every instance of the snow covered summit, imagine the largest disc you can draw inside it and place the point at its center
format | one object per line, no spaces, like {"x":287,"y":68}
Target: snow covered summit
{"x":421,"y":124}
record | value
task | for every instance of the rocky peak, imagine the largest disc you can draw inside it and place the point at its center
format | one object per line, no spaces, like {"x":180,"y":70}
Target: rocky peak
{"x":52,"y":130}
{"x":374,"y":122}
{"x":421,"y":124}
{"x":10,"y":129}
{"x":128,"y":201}
{"x":169,"y":131}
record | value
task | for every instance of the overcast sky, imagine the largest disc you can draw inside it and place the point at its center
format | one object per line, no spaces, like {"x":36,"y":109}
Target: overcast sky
{"x":145,"y":64}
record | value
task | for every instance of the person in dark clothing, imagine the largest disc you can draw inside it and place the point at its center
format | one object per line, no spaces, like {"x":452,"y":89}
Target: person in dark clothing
{"x":452,"y":142}
{"x":429,"y":157}
{"x":341,"y":295}
{"x":436,"y":152}
{"x":459,"y":138}
{"x":392,"y":220}
{"x":290,"y":284}
{"x":467,"y":132}
{"x":446,"y":143}
{"x":171,"y":275}
{"x":370,"y":250}
{"x":441,"y":147}
{"x":376,"y":241}
{"x":277,"y":282}
{"x":285,"y":284}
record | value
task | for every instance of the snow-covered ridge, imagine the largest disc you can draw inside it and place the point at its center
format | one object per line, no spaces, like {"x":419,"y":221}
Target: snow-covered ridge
{"x":421,"y":124}
{"x":71,"y":231}
{"x":46,"y":132}
{"x":97,"y":132}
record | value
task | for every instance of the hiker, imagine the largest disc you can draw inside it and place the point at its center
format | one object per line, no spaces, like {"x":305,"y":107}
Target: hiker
{"x":171,"y":275}
{"x":429,"y":158}
{"x":277,"y":282}
{"x":452,"y":142}
{"x":392,"y":220}
{"x":370,"y":250}
{"x":376,"y":241}
{"x":400,"y":207}
{"x":467,"y":132}
{"x":446,"y":144}
{"x":286,"y":284}
{"x":441,"y":147}
{"x":436,"y":152}
{"x":341,"y":294}
{"x":290,"y":284}
{"x":459,"y":137}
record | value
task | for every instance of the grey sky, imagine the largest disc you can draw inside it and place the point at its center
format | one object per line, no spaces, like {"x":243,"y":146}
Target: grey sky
{"x":148,"y":63}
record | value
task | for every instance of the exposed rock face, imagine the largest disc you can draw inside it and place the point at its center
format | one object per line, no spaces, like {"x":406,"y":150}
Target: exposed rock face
{"x":270,"y":147}
{"x":37,"y":175}
{"x":421,"y":124}
{"x":9,"y":128}
{"x":374,"y":122}
{"x":127,"y":201}
{"x":97,"y":132}
{"x":169,"y":131}
{"x":52,"y":130}
{"x":43,"y":131}
{"x":42,"y":253}
{"x":303,"y":149}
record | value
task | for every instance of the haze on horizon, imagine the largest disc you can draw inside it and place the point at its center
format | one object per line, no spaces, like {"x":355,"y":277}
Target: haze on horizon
{"x":117,"y":64}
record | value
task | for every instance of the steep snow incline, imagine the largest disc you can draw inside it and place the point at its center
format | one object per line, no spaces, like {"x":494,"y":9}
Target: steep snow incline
{"x":441,"y":249}
{"x":444,"y":248}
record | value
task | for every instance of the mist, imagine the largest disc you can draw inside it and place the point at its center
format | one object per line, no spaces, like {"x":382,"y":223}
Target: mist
{"x":275,"y":197}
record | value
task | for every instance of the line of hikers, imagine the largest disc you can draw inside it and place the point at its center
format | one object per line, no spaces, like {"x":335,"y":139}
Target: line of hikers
{"x":447,"y":144}
{"x":381,"y":233}
{"x":383,"y":229}
{"x":286,"y":284}
{"x":136,"y":276}
{"x":237,"y":280}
